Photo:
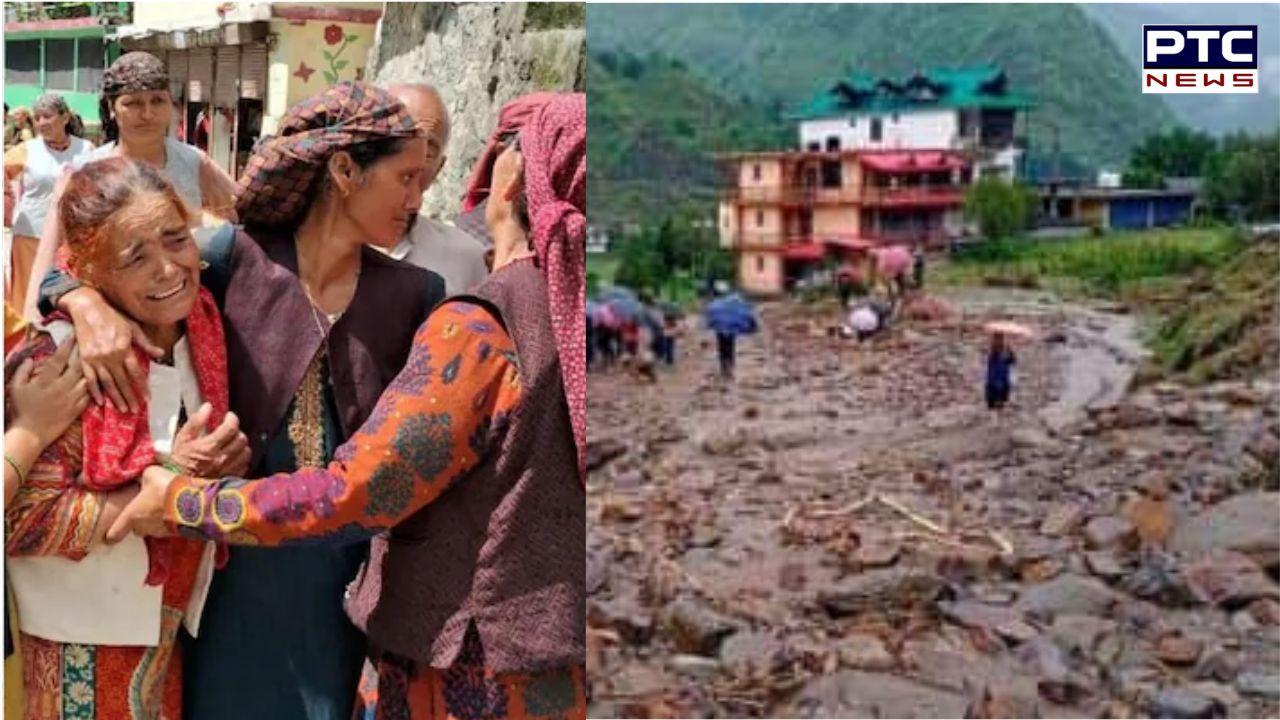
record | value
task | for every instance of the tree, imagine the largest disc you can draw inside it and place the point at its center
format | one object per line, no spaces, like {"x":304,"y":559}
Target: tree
{"x":1179,"y":152}
{"x":1244,"y":178}
{"x":1001,"y":209}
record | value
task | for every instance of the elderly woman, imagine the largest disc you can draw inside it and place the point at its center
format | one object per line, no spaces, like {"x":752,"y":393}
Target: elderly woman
{"x":134,"y":106}
{"x":38,"y":164}
{"x":107,"y":618}
{"x":318,"y":326}
{"x":473,"y":459}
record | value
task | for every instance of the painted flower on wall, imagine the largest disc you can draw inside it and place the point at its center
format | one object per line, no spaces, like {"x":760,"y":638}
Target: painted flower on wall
{"x":333,"y":35}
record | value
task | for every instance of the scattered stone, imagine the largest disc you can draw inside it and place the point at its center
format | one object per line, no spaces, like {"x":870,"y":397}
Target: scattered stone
{"x":1259,"y":684}
{"x":894,"y":589}
{"x":1229,"y":579}
{"x":1062,"y":519}
{"x":1080,"y":632}
{"x":752,"y":653}
{"x":1245,"y":523}
{"x":1068,"y":594}
{"x":1109,"y":531}
{"x":1041,"y":570}
{"x":1152,"y":517}
{"x":630,"y":480}
{"x":694,"y":666}
{"x":632,"y":623}
{"x":1103,"y":563}
{"x":863,"y":651}
{"x":1217,"y":665}
{"x":696,"y":628}
{"x":1180,"y":413}
{"x":854,"y":693}
{"x":1003,"y":621}
{"x":1057,"y":681}
{"x":597,"y":573}
{"x":1244,"y":621}
{"x":1224,"y":694}
{"x":1183,"y":702}
{"x":601,"y":452}
{"x":1265,"y":611}
{"x":877,"y":553}
{"x":1178,"y":650}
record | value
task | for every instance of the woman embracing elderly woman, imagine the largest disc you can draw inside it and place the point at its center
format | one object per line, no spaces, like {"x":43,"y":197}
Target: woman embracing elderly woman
{"x":469,"y":474}
{"x":99,"y":623}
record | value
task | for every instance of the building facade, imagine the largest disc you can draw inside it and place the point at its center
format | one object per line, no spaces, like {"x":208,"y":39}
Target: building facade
{"x":63,"y":48}
{"x":236,"y":68}
{"x":878,"y":163}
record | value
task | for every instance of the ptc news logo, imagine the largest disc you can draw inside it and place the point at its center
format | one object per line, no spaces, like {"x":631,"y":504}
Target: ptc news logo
{"x":1200,"y":59}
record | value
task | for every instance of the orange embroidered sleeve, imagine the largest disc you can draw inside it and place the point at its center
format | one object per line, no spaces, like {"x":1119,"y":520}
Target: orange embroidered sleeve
{"x":436,"y":422}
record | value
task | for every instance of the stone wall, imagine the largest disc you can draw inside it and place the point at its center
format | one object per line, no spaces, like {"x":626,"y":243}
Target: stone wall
{"x":479,"y":55}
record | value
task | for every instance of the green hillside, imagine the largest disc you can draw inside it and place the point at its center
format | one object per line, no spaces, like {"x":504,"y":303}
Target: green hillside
{"x":746,"y":63}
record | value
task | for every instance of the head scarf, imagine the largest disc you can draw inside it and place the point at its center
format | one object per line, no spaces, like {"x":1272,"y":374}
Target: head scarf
{"x":511,"y":118}
{"x":278,"y":182}
{"x":135,"y":72}
{"x":554,"y":145}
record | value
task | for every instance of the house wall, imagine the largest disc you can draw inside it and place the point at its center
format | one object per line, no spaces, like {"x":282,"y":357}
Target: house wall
{"x":760,"y":273}
{"x":728,"y":224}
{"x":924,"y":129}
{"x":309,"y":57}
{"x":770,"y":173}
{"x":835,"y":220}
{"x":760,"y":224}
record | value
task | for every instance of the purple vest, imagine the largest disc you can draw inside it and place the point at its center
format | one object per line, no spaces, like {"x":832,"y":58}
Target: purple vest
{"x":273,"y":333}
{"x":505,"y":547}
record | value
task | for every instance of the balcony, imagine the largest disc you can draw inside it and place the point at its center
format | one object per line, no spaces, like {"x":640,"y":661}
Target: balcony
{"x":931,"y":236}
{"x":794,"y":195}
{"x":918,"y":195}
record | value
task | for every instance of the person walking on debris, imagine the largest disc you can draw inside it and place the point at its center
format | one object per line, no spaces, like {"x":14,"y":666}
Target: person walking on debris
{"x":729,"y":316}
{"x":1000,"y":361}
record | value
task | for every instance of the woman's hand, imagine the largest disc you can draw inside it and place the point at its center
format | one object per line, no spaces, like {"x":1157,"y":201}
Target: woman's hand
{"x":225,"y":451}
{"x":113,"y":506}
{"x":106,"y":350}
{"x":141,"y":512}
{"x":49,"y":395}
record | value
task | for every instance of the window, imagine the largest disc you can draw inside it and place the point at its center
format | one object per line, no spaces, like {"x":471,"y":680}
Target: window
{"x":89,"y":70}
{"x":833,"y":144}
{"x":755,"y":171}
{"x":60,"y":64}
{"x":759,"y":263}
{"x":22,"y":62}
{"x":815,"y":147}
{"x":893,"y":118}
{"x":876,"y":129}
{"x":759,"y":218}
{"x":831,"y":173}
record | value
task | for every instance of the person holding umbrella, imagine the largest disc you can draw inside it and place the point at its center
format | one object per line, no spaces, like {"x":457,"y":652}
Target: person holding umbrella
{"x":1000,"y":362}
{"x":729,"y":316}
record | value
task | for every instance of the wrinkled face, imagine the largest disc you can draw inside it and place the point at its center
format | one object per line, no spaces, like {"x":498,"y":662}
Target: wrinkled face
{"x":143,"y":115}
{"x":51,"y":125}
{"x":431,"y":116}
{"x":389,"y":195}
{"x":149,"y":266}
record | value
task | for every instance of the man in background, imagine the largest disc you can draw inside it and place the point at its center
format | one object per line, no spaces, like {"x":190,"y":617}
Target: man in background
{"x":443,"y":249}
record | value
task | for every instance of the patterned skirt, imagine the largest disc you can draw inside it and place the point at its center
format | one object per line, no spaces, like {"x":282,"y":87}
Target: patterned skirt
{"x":393,"y":689}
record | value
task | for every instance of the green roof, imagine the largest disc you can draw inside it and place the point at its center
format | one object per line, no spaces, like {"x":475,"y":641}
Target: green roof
{"x":860,"y":94}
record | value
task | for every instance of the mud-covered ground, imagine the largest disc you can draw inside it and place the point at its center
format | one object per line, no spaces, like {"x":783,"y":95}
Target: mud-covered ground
{"x":846,"y":531}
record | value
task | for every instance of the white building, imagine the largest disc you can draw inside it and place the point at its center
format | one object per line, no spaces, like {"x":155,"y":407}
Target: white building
{"x":968,"y":109}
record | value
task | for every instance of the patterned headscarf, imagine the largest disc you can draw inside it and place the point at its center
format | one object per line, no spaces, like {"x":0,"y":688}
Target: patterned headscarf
{"x":554,"y":145}
{"x":511,"y":118}
{"x":278,"y":182}
{"x":135,"y":72}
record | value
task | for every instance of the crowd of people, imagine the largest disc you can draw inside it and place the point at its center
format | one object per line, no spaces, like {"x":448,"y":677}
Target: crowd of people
{"x":280,"y":446}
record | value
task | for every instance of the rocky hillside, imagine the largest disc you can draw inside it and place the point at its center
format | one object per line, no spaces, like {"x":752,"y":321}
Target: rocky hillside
{"x":479,"y":55}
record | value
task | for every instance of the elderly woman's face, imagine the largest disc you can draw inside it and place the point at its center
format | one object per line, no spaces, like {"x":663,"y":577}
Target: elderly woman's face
{"x":390,"y":195}
{"x":143,"y":115}
{"x":149,"y":267}
{"x":52,"y":125}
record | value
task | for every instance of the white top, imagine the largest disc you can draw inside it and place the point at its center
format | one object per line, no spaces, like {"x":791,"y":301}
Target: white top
{"x":181,"y":167}
{"x":39,"y":176}
{"x":104,"y":599}
{"x":443,"y":249}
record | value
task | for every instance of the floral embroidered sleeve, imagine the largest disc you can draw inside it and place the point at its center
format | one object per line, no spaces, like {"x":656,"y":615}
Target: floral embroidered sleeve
{"x":51,"y":513}
{"x":436,"y":421}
